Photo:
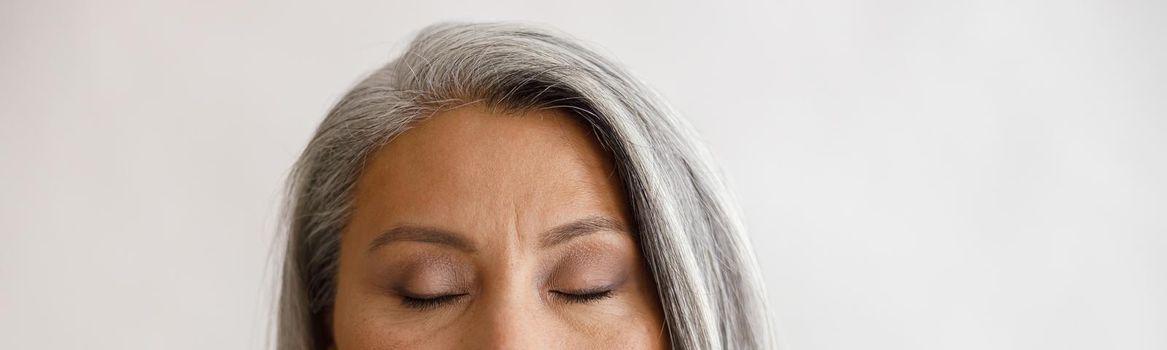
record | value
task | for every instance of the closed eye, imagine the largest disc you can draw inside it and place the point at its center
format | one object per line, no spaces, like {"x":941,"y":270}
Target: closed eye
{"x":424,"y":303}
{"x":582,"y":297}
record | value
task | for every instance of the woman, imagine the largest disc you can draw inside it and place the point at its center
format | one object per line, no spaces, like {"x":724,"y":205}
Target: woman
{"x":500,"y":186}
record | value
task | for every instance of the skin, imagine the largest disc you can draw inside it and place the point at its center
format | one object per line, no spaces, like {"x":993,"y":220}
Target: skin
{"x":476,"y":229}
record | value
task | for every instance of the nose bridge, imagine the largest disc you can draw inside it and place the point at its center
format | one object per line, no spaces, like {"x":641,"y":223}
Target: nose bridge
{"x":510,"y":325}
{"x":510,"y":310}
{"x":510,"y":313}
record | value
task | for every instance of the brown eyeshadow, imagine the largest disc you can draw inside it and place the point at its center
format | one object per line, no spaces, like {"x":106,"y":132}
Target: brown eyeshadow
{"x":422,"y":275}
{"x":589,"y":268}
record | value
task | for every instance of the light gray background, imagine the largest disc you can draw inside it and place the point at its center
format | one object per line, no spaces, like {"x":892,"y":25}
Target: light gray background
{"x":915,"y":174}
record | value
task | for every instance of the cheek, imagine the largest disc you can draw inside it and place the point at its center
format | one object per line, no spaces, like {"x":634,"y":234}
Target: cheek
{"x":630,"y":320}
{"x":366,"y":317}
{"x":366,"y":325}
{"x":356,"y":324}
{"x":637,"y":324}
{"x":637,"y":331}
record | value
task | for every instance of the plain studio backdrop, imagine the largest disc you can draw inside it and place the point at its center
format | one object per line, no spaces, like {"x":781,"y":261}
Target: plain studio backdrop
{"x":914,"y":174}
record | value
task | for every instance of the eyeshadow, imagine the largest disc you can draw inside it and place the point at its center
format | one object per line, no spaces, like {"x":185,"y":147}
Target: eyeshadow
{"x":421,"y":275}
{"x":429,"y":279}
{"x":590,"y":268}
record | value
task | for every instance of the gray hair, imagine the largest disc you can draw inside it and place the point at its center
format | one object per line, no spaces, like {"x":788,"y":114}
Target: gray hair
{"x":688,"y":231}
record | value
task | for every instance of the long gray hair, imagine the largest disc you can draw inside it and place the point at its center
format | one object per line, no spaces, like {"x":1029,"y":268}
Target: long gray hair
{"x":688,"y":230}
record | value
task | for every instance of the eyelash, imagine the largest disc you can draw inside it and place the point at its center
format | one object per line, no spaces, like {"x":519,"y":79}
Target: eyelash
{"x":583,"y":297}
{"x":427,"y":303}
{"x":424,"y":303}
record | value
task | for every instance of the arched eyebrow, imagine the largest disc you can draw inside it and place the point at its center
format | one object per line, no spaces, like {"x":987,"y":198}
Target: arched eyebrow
{"x":581,"y":227}
{"x":407,"y":233}
{"x":555,"y":236}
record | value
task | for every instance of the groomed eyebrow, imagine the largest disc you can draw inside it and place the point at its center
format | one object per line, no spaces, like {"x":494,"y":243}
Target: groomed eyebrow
{"x":558,"y":235}
{"x":581,"y":227}
{"x":406,"y":233}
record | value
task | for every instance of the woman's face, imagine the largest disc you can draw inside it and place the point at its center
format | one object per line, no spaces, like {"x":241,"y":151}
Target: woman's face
{"x":483,"y":230}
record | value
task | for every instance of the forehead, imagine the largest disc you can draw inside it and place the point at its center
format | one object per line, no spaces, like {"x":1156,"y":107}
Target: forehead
{"x":473,"y":169}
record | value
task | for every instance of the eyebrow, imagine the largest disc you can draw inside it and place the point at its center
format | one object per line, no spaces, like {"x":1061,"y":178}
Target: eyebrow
{"x":424,"y":234}
{"x":581,"y":227}
{"x":555,"y":236}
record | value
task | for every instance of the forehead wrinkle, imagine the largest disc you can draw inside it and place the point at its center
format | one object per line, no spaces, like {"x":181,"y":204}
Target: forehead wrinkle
{"x":474,"y":155}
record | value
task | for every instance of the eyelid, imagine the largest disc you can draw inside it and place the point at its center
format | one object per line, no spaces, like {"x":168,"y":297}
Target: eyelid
{"x":584,"y":291}
{"x":404,"y":292}
{"x":585,"y":296}
{"x":425,"y":303}
{"x":427,"y":279}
